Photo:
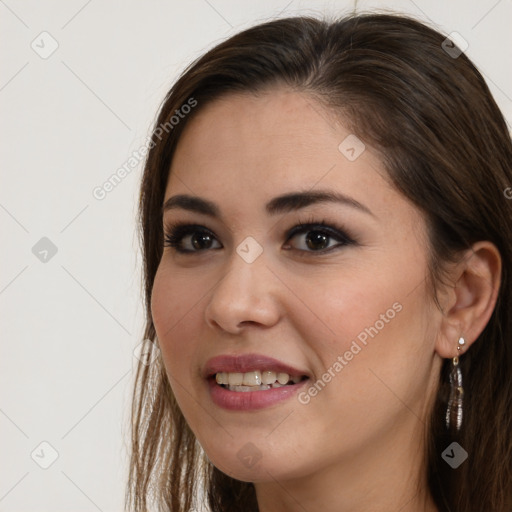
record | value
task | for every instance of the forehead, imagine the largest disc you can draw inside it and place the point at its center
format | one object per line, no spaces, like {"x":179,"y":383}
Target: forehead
{"x":276,"y":134}
{"x":267,"y":119}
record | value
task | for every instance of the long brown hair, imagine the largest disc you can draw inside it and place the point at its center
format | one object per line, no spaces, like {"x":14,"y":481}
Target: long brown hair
{"x":445,"y":146}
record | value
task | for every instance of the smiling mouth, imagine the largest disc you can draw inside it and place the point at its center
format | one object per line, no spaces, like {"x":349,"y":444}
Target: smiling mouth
{"x":256,"y":380}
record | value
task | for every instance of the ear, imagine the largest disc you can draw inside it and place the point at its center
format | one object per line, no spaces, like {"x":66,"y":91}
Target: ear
{"x":469,"y":303}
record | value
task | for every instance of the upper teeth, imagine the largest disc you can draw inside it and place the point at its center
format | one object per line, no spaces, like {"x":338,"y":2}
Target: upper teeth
{"x":255,"y":378}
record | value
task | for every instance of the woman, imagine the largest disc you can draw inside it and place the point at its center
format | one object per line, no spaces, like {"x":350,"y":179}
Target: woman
{"x":327,"y":256}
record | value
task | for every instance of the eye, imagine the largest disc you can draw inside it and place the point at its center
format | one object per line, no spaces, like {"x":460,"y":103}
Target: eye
{"x":190,"y":238}
{"x":319,"y":237}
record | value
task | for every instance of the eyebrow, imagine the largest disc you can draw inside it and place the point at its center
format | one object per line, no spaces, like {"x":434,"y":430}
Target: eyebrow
{"x":280,"y":204}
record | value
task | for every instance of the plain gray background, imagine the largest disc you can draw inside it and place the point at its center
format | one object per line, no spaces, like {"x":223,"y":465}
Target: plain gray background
{"x":70,"y":119}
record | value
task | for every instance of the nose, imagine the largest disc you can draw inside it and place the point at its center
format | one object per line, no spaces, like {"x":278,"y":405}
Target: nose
{"x":247,"y":294}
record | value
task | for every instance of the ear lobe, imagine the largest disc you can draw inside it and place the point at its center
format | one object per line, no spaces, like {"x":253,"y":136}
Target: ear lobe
{"x":472,"y":300}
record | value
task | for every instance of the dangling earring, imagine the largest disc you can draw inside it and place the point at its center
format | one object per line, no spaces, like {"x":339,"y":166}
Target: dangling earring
{"x":455,"y":402}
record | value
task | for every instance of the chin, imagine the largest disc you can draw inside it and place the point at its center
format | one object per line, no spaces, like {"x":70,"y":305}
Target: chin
{"x":251,"y":464}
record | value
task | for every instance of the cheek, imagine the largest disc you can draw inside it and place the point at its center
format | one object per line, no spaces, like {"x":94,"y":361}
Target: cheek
{"x":366,"y":323}
{"x":351,"y":306}
{"x":175,"y":308}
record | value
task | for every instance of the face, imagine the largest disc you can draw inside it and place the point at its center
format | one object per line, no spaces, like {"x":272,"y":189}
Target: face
{"x":272,"y":282}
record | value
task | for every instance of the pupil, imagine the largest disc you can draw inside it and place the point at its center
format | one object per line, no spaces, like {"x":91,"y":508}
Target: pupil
{"x":201,"y":241}
{"x":313,"y":240}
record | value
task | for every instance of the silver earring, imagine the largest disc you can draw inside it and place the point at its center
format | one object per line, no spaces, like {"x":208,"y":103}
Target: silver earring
{"x":455,"y":402}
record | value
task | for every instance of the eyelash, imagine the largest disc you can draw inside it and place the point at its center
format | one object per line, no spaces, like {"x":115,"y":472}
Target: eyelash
{"x":175,"y":232}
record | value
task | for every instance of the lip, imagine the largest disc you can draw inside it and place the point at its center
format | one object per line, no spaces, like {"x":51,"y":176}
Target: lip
{"x":250,"y":400}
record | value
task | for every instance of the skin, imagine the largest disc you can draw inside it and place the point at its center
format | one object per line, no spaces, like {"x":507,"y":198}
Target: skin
{"x":358,"y":444}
